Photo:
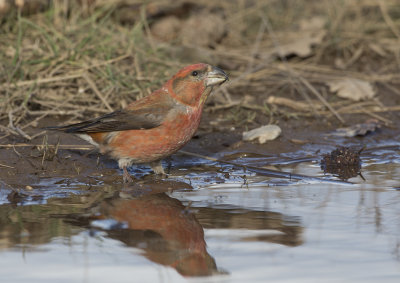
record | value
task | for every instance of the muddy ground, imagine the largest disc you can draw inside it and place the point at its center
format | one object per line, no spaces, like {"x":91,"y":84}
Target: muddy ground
{"x":309,"y":69}
{"x":24,"y":165}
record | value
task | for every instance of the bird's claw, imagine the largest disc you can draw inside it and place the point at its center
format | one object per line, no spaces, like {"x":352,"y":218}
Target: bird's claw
{"x":127,"y":178}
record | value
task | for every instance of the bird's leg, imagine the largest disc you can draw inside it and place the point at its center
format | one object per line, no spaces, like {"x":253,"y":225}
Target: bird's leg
{"x":157,"y":167}
{"x":126,"y":176}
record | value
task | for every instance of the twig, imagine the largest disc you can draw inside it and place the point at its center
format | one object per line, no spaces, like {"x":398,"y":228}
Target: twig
{"x":388,"y":19}
{"x":236,"y":103}
{"x":7,"y":185}
{"x":22,"y":156}
{"x":376,"y":116}
{"x":147,"y":28}
{"x":43,"y":80}
{"x":16,"y":152}
{"x":227,"y":95}
{"x":96,"y":91}
{"x":320,"y":97}
{"x":60,"y":146}
{"x":349,"y":108}
{"x":25,"y":126}
{"x":137,"y":66}
{"x":374,"y":110}
{"x":6,"y":166}
{"x":356,"y":55}
{"x":393,"y":89}
{"x":8,"y":130}
{"x":38,"y":134}
{"x":297,"y":105}
{"x":224,"y":106}
{"x":16,"y":129}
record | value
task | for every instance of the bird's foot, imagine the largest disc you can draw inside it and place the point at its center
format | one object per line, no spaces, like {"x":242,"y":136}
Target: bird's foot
{"x":126,"y":176}
{"x":158,"y":168}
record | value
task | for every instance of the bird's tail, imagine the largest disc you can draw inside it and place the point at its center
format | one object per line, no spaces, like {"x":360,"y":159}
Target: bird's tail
{"x":73,"y":128}
{"x":66,"y":129}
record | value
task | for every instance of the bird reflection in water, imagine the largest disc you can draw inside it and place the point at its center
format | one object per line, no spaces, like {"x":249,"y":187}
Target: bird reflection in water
{"x":172,"y":235}
{"x":167,"y":232}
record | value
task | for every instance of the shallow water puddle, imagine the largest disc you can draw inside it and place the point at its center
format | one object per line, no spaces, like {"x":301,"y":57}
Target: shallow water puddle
{"x":215,"y":220}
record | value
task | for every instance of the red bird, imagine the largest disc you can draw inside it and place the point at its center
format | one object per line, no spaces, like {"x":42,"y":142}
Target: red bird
{"x":156,"y":126}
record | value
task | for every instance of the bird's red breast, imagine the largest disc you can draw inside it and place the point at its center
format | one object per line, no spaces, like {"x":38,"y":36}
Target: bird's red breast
{"x":152,"y":144}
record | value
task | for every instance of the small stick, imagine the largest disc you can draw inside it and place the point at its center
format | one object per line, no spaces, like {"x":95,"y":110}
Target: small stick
{"x":7,"y":185}
{"x":297,"y":105}
{"x":16,"y":129}
{"x":97,"y":92}
{"x":394,"y":90}
{"x":317,"y":94}
{"x":43,"y":80}
{"x":8,"y":130}
{"x":67,"y":146}
{"x":388,"y":19}
{"x":376,"y":116}
{"x":7,"y":166}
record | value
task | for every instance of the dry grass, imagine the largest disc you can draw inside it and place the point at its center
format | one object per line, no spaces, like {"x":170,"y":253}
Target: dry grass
{"x":80,"y":61}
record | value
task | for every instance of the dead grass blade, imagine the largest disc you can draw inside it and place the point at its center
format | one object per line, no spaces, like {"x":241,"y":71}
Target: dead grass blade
{"x":97,"y":92}
{"x":57,"y":146}
{"x":323,"y":100}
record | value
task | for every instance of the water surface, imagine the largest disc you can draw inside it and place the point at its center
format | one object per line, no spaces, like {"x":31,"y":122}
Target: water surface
{"x":208,"y":223}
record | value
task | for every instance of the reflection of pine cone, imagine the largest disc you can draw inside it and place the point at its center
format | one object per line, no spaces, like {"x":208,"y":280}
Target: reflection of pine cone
{"x":343,"y":162}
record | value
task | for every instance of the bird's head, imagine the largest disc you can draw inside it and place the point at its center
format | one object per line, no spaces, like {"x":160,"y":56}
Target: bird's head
{"x":192,"y":84}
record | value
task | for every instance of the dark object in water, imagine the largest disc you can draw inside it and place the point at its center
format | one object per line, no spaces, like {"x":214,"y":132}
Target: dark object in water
{"x":343,"y":162}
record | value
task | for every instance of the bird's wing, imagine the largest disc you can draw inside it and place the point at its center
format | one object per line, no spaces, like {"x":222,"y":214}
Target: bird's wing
{"x":135,"y":117}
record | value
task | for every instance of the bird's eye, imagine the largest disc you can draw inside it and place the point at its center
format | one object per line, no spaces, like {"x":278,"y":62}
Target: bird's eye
{"x":194,"y":73}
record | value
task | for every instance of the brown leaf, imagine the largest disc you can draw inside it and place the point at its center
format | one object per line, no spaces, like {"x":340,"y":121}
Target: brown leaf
{"x":302,"y":46}
{"x":300,"y":43}
{"x":167,"y":28}
{"x":352,"y":88}
{"x":203,"y":29}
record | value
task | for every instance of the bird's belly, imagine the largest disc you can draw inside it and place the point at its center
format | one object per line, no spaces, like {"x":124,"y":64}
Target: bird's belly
{"x":142,"y":146}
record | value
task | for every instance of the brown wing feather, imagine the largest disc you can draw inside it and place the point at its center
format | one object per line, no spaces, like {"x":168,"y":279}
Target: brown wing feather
{"x":137,"y":116}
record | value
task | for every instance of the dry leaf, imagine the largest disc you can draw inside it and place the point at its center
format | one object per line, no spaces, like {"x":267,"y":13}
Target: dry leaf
{"x":166,"y":28}
{"x":302,"y":46}
{"x":263,"y":134}
{"x":315,"y":23}
{"x":300,"y":43}
{"x":359,"y":129}
{"x":212,"y":30}
{"x":351,"y":88}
